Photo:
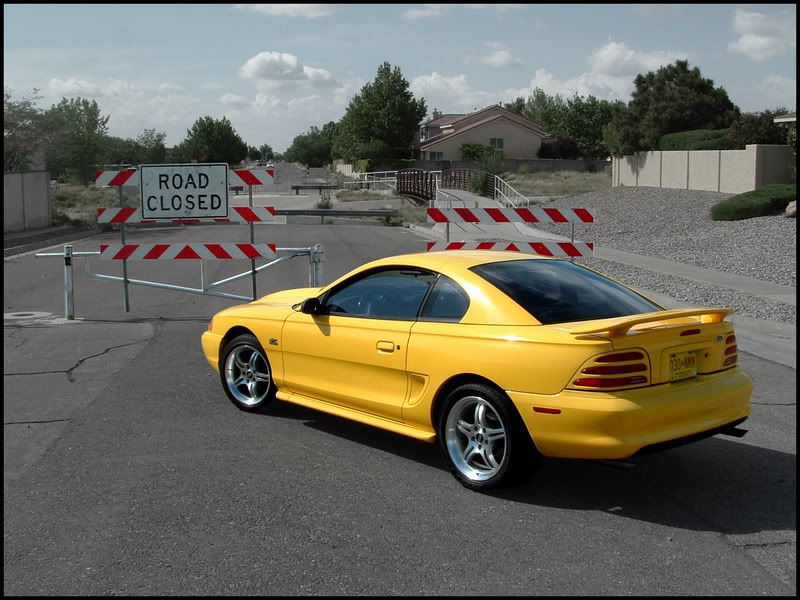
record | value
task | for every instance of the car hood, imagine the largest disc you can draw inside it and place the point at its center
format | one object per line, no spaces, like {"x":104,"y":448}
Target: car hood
{"x":287,"y":297}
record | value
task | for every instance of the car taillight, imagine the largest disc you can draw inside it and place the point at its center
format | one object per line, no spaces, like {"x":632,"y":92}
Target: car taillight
{"x":730,"y":351}
{"x":614,"y":370}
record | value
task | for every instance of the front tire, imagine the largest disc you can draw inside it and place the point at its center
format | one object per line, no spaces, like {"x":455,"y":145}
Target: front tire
{"x":246,"y":374}
{"x":483,"y":439}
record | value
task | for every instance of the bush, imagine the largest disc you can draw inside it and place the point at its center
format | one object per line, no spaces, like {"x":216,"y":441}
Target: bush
{"x":698,"y":139}
{"x":476,"y":183}
{"x":758,"y":128}
{"x":765,"y":201}
{"x":475,"y":151}
{"x":565,"y":148}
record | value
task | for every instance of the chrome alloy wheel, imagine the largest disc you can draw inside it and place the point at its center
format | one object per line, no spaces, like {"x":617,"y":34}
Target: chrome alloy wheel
{"x":247,"y":375}
{"x":476,"y":438}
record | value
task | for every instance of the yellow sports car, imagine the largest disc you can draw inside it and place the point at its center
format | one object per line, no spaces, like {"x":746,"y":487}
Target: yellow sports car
{"x":502,"y":357}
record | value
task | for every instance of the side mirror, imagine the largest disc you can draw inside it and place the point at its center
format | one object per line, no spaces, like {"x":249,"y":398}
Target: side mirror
{"x":311,"y":306}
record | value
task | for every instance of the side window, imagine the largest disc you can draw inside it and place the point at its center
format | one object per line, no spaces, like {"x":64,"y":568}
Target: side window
{"x":447,"y":302}
{"x":387,"y":294}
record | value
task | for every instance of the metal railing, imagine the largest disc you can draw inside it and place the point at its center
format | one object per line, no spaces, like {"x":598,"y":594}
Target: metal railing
{"x":316,"y":258}
{"x":507,"y":195}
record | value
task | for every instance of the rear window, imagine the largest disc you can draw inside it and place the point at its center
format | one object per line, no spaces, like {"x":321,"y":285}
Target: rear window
{"x":556,"y":291}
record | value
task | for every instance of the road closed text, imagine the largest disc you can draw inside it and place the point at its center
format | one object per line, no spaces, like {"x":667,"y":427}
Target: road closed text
{"x":184,"y":191}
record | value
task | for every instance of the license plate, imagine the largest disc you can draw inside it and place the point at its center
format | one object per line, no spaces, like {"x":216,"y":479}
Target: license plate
{"x":682,"y":366}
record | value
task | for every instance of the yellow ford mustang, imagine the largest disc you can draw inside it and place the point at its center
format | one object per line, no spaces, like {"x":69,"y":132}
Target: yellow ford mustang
{"x":503,"y":357}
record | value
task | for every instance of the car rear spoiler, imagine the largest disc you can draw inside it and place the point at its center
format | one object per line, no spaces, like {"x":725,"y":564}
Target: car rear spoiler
{"x":619,"y":326}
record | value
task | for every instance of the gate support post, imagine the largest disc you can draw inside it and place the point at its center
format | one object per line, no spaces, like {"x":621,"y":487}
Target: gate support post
{"x":69,"y":298}
{"x":316,"y":258}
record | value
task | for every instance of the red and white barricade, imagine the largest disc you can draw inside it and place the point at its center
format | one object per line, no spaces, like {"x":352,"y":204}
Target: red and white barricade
{"x":236,"y":177}
{"x":510,"y":215}
{"x":558,"y":249}
{"x":239,"y":214}
{"x":229,"y":251}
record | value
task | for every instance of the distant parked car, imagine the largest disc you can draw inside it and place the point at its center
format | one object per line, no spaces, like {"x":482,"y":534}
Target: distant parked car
{"x":501,"y":357}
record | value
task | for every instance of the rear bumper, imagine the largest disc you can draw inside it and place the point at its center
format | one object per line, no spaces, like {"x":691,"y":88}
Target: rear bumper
{"x":601,"y":425}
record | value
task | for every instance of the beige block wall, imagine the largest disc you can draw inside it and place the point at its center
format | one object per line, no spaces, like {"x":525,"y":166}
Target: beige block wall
{"x":674,"y":172}
{"x":738,"y":170}
{"x":730,"y":171}
{"x":649,"y":168}
{"x":704,"y":170}
{"x":517,"y":141}
{"x":26,"y":201}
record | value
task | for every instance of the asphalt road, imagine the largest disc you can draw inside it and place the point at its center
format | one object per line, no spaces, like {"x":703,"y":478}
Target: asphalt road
{"x":127,"y":470}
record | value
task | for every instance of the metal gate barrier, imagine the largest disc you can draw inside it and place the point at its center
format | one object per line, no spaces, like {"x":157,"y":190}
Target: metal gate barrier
{"x":316,"y":258}
{"x":202,"y":252}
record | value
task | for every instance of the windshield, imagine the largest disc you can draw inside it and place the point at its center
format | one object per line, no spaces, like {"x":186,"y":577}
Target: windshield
{"x":556,"y":291}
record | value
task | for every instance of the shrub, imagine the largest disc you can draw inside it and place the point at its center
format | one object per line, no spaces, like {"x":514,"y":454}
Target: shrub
{"x":475,"y":151}
{"x":758,"y":128}
{"x":698,"y":139}
{"x":476,"y":183}
{"x":565,"y":148}
{"x":768,"y":200}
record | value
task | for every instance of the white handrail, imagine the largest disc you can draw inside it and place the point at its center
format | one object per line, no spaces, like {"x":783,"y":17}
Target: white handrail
{"x":507,"y":194}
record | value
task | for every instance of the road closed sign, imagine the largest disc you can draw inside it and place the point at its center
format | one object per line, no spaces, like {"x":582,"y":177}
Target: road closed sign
{"x":191,"y":191}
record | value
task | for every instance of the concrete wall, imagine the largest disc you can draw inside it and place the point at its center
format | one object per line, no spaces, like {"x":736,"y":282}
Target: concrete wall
{"x":26,"y":201}
{"x":730,"y":171}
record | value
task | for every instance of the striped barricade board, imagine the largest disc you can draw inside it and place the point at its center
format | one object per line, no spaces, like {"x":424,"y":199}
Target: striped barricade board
{"x":199,"y":251}
{"x":556,"y":249}
{"x":238,"y":214}
{"x":510,"y":215}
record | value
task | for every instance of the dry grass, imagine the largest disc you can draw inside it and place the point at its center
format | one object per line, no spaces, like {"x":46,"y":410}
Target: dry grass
{"x":558,"y":183}
{"x":359,"y":195}
{"x":77,"y":204}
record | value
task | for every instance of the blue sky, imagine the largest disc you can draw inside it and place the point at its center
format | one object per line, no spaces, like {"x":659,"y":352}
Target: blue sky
{"x":276,"y":69}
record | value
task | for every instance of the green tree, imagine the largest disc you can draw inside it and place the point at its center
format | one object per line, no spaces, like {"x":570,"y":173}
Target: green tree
{"x":517,"y":105}
{"x":253,"y":153}
{"x":265,"y":152}
{"x":79,"y":132}
{"x":384,"y":110}
{"x":150,"y":147}
{"x":24,"y":131}
{"x":312,"y":148}
{"x":212,"y":141}
{"x":583,"y":120}
{"x":674,"y":98}
{"x":758,"y":128}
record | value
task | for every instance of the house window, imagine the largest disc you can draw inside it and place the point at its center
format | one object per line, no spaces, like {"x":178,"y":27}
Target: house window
{"x":496,"y":143}
{"x":437,"y":155}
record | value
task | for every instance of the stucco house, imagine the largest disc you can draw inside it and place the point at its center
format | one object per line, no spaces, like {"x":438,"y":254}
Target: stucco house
{"x":441,"y":138}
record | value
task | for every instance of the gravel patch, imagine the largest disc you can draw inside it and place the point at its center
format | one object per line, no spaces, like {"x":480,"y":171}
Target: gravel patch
{"x":676,"y":225}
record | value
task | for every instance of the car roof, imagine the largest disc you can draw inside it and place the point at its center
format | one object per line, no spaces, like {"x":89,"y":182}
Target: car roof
{"x":488,"y":305}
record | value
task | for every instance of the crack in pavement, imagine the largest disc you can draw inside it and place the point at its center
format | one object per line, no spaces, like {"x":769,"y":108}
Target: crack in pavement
{"x":69,"y":371}
{"x":35,"y":422}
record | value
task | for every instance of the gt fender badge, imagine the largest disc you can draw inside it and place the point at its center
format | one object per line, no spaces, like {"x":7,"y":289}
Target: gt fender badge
{"x":273,"y":342}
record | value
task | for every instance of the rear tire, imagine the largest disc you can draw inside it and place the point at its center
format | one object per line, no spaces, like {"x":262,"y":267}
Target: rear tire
{"x":246,"y":374}
{"x":484,"y":441}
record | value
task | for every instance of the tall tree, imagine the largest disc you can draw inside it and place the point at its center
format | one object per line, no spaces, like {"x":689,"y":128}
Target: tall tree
{"x":674,"y":98}
{"x":384,"y":111}
{"x":211,"y":140}
{"x":24,"y":133}
{"x":313,"y":148}
{"x":79,"y":138}
{"x":265,"y":152}
{"x":758,"y":128}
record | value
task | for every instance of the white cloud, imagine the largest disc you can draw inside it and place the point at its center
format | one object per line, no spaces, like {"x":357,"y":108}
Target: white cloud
{"x":781,"y":91}
{"x":276,"y":69}
{"x":450,"y":94}
{"x":501,"y":57}
{"x":308,"y":11}
{"x":429,"y":10}
{"x":617,"y":60}
{"x":501,"y":8}
{"x":234,"y":101}
{"x":73,"y":87}
{"x":612,"y":69}
{"x":764,"y":36}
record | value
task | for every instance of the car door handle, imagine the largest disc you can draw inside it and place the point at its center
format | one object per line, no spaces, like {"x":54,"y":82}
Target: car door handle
{"x":385,"y":346}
